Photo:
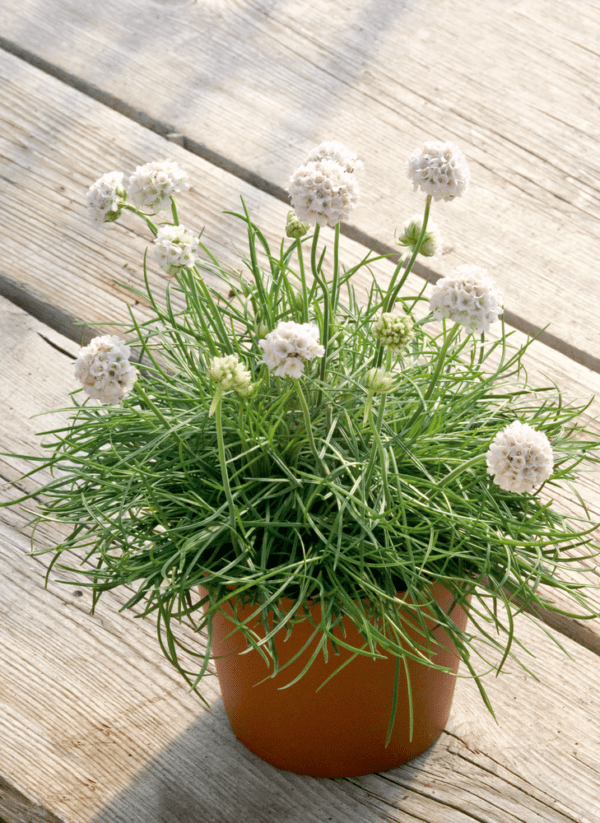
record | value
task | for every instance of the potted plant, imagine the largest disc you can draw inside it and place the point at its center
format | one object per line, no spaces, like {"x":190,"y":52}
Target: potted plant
{"x":346,"y":496}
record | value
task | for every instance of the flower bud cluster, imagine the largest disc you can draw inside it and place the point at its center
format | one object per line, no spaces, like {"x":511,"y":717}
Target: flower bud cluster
{"x":287,"y":348}
{"x":105,"y":198}
{"x":467,"y":296}
{"x":439,"y":169}
{"x":432,"y":242}
{"x":175,"y":247}
{"x":229,"y":373}
{"x":394,"y":330}
{"x":379,"y":380}
{"x":104,"y":370}
{"x":520,"y":458}
{"x":324,"y":189}
{"x":294,"y":228}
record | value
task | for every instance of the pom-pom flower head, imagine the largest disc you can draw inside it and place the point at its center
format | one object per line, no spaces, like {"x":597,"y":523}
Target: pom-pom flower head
{"x":151,"y":186}
{"x":439,"y":169}
{"x":105,"y":198}
{"x":394,"y":330}
{"x":289,"y":346}
{"x":324,"y":189}
{"x":175,"y":247}
{"x":520,"y":458}
{"x":104,"y":370}
{"x":467,"y":296}
{"x":432,"y":242}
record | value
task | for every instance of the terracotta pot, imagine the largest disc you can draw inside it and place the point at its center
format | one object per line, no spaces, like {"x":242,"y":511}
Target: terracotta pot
{"x":339,"y":731}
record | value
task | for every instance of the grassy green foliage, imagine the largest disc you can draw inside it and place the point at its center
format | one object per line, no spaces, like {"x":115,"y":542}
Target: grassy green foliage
{"x":314,"y":488}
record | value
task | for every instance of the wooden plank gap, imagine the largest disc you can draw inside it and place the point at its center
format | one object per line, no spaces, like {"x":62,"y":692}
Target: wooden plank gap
{"x":15,"y":807}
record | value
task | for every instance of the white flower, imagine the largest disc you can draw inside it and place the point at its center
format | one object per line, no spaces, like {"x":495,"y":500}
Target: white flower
{"x":439,"y":169}
{"x":394,"y":330}
{"x":520,"y":458}
{"x":104,"y":370}
{"x":289,"y":346}
{"x":324,"y":190}
{"x":432,"y":242}
{"x":175,"y":247}
{"x":229,"y":373}
{"x":333,"y":150}
{"x":469,"y":297}
{"x":151,"y":186}
{"x":105,"y":198}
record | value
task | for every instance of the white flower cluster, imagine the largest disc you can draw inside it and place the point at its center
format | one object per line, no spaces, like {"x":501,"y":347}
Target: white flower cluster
{"x":432,"y":242}
{"x":104,"y":370}
{"x":324,"y":189}
{"x":520,"y":458}
{"x":439,"y":169}
{"x":229,"y":373}
{"x":105,"y":198}
{"x":467,"y":296}
{"x":394,"y":330}
{"x":289,"y":346}
{"x":175,"y":247}
{"x":151,"y":185}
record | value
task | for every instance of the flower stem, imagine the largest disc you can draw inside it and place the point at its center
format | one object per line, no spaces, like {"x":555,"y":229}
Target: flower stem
{"x":436,"y":374}
{"x":302,"y":279}
{"x":394,"y":288}
{"x":144,"y":217}
{"x":174,"y":211}
{"x":308,"y":429}
{"x":224,"y":472}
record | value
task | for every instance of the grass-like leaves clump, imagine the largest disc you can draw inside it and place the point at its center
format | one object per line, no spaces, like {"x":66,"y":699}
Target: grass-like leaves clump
{"x":317,"y":488}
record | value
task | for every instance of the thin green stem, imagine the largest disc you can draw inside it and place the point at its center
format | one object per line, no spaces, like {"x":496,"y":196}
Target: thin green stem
{"x":394,"y":288}
{"x":224,"y":471}
{"x":309,"y":429}
{"x":304,"y":286}
{"x":435,"y":376}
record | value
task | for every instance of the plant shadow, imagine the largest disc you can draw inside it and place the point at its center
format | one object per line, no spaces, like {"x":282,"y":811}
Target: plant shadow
{"x":207,"y":776}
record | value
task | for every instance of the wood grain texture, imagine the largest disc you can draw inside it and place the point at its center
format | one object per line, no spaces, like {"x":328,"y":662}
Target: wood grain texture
{"x":253,"y":86}
{"x":97,"y":728}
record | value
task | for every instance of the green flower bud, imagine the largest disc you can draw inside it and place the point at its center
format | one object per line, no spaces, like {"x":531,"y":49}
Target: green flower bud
{"x":378,"y":380}
{"x":294,"y":228}
{"x":432,"y":242}
{"x":394,"y":330}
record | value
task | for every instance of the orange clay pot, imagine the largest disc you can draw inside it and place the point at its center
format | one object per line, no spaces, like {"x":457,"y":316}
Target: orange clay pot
{"x":339,"y":731}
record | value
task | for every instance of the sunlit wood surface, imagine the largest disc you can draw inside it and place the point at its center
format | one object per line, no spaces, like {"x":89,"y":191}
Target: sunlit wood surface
{"x":94,"y":725}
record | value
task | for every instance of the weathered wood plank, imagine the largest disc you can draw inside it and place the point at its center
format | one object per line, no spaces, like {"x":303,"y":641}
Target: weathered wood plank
{"x":253,"y":86}
{"x":51,"y":156}
{"x":97,"y":728}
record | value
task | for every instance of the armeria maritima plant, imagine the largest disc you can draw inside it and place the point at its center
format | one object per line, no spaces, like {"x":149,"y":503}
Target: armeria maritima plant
{"x":280,"y":439}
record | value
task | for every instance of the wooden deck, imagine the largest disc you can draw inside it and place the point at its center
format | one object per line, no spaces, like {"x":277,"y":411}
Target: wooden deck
{"x":95,"y":727}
